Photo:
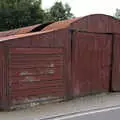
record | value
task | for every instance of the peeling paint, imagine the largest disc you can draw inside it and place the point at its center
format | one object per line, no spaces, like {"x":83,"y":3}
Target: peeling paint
{"x":25,"y":73}
{"x":51,"y":71}
{"x":51,"y":65}
{"x":30,"y":79}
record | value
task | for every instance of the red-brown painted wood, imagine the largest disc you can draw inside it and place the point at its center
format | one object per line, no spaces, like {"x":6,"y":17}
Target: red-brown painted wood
{"x":116,"y":64}
{"x":24,"y":82}
{"x":91,"y":60}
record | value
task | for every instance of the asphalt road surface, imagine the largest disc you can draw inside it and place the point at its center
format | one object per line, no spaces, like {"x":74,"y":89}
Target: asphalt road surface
{"x":111,"y":113}
{"x":95,"y":107}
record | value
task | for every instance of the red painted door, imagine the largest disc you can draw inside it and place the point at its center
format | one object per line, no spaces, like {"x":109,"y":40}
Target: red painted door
{"x":91,"y":63}
{"x":116,"y":64}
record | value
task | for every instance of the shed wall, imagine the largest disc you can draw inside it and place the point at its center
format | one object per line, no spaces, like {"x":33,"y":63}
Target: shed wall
{"x":39,"y":50}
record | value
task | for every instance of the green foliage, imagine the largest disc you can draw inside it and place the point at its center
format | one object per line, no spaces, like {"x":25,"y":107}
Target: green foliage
{"x":117,"y":13}
{"x":58,"y":12}
{"x":19,"y":13}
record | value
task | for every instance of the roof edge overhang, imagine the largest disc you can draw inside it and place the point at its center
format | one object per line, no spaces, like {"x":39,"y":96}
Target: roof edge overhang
{"x":19,"y":36}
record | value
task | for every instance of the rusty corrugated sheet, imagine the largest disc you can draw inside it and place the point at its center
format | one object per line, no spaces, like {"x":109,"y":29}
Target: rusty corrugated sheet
{"x":24,"y":30}
{"x":22,"y":36}
{"x":91,"y":62}
{"x":93,"y":23}
{"x":35,"y":73}
{"x":99,"y":23}
{"x":18,"y":31}
{"x":116,"y":64}
{"x":60,"y":24}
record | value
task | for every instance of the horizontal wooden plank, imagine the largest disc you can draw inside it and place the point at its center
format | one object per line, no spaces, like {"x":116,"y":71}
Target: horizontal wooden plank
{"x":33,"y":66}
{"x":35,"y":71}
{"x":19,"y":81}
{"x":37,"y":83}
{"x":36,"y":50}
{"x":35,"y":59}
{"x":32,"y":86}
{"x":34,"y":78}
{"x":33,"y":55}
{"x":45,"y":94}
{"x":28,"y":92}
{"x":36,"y":64}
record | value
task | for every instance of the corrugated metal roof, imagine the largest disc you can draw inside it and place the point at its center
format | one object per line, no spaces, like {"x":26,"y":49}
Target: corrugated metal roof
{"x":60,"y":24}
{"x":49,"y":27}
{"x":22,"y":30}
{"x":25,"y":31}
{"x":42,"y":27}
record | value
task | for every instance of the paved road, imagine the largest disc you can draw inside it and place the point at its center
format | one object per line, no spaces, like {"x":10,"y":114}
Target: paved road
{"x":82,"y":104}
{"x":111,"y":113}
